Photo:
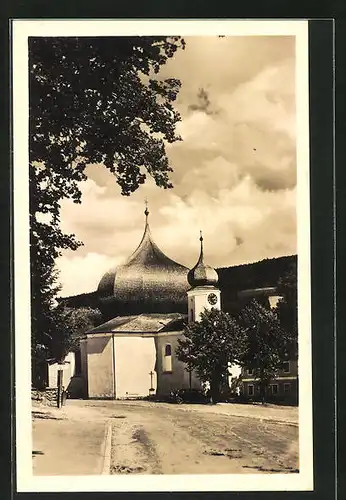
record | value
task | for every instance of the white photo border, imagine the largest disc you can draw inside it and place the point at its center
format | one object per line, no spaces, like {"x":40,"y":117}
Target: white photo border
{"x":26,"y":481}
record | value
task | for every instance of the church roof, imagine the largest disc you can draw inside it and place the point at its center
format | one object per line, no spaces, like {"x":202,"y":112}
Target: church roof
{"x":142,"y":323}
{"x":148,"y":282}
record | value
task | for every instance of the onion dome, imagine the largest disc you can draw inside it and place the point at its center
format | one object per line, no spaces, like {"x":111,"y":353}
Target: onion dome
{"x":148,"y":282}
{"x":202,"y":274}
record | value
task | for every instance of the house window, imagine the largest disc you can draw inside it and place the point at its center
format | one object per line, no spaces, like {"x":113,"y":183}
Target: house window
{"x":274,"y":389}
{"x":250,"y":390}
{"x":287,"y":388}
{"x":167,"y":358}
{"x":286,"y":367}
{"x":250,"y":371}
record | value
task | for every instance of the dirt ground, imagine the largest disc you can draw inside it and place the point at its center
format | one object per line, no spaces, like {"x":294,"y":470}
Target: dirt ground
{"x":155,"y":438}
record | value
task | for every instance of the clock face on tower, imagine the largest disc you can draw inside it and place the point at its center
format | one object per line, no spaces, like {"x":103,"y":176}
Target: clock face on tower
{"x":212,"y":299}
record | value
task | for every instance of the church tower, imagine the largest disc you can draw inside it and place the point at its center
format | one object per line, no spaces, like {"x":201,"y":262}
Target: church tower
{"x":204,"y":293}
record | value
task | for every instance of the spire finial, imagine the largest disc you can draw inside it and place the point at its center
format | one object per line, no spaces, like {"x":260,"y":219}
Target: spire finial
{"x":146,"y":211}
{"x":201,"y":240}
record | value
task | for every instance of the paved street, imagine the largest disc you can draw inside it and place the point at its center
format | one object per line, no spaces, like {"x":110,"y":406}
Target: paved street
{"x":157,"y":438}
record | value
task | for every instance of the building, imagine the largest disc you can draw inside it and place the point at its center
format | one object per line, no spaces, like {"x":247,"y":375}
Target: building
{"x":133,"y":353}
{"x":282,"y":389}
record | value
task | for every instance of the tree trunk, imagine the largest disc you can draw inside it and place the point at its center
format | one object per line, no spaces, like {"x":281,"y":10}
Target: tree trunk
{"x":59,"y":383}
{"x":263,"y":387}
{"x":215,"y":389}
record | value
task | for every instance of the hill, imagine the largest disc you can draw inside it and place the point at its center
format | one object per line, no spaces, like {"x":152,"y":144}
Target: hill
{"x":265,"y":273}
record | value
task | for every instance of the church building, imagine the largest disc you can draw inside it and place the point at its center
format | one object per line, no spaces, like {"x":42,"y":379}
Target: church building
{"x":148,"y":299}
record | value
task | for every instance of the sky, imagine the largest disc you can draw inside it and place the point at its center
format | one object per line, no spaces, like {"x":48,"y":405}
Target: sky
{"x":234,"y":171}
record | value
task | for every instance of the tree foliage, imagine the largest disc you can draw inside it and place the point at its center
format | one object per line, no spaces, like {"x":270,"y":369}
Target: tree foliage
{"x":210,"y":345}
{"x":70,"y":325}
{"x":267,"y":344}
{"x":93,"y":100}
{"x":287,"y":307}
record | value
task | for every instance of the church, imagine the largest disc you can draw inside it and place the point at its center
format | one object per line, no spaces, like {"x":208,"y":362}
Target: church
{"x":133,"y":353}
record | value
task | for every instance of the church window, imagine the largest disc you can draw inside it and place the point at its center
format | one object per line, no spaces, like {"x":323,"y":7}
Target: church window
{"x":167,"y":358}
{"x":191,"y":314}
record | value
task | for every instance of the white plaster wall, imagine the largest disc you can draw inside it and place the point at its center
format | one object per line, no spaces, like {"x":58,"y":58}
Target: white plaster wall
{"x":68,"y":371}
{"x":134,"y":360}
{"x":179,"y":377}
{"x":100,"y":367}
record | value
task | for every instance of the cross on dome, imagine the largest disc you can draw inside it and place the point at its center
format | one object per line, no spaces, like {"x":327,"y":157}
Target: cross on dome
{"x":146,"y":211}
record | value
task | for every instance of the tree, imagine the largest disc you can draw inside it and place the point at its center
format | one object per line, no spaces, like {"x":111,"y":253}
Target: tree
{"x":287,"y":307}
{"x":209,"y":345}
{"x":70,"y":325}
{"x":92,"y":101}
{"x":267,"y":344}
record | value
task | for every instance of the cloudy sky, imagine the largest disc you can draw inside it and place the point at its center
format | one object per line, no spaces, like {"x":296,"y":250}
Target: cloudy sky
{"x":234,"y":172}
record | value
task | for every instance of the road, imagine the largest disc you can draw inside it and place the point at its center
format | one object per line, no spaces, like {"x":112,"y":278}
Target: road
{"x":157,"y":438}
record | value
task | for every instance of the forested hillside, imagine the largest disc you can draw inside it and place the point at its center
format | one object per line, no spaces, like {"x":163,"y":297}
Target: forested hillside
{"x":233,"y":279}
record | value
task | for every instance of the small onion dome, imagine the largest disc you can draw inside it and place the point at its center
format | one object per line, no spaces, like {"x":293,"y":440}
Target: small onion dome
{"x":202,"y":274}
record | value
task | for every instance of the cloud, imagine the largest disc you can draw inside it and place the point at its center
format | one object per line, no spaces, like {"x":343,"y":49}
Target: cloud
{"x":234,"y":172}
{"x":81,"y":273}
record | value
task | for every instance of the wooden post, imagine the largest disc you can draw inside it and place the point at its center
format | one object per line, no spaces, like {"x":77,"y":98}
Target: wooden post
{"x":59,"y":383}
{"x":151,"y":380}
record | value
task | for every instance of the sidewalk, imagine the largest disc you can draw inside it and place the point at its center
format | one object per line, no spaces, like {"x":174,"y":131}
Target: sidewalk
{"x":67,"y":442}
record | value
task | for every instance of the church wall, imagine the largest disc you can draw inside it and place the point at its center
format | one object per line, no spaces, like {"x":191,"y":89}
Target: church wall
{"x":135,"y":358}
{"x":178,"y":377}
{"x":100,"y":367}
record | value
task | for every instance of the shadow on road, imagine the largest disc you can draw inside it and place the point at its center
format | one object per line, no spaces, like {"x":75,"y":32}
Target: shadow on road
{"x":270,"y":469}
{"x":47,"y":416}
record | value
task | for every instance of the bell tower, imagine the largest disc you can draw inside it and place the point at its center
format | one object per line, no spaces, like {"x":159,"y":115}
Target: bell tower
{"x":204,"y":293}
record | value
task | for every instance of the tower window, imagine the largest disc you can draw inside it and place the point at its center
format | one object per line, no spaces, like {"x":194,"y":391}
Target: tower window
{"x":168,"y":350}
{"x":250,"y":390}
{"x":191,"y":314}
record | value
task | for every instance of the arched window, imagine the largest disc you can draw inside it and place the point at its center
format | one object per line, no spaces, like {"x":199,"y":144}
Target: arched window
{"x":167,"y":358}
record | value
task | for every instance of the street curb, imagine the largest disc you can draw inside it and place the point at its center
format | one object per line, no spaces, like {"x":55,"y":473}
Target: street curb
{"x":107,"y":448}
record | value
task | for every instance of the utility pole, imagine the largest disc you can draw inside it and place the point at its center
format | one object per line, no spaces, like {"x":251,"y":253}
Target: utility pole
{"x":59,"y":384}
